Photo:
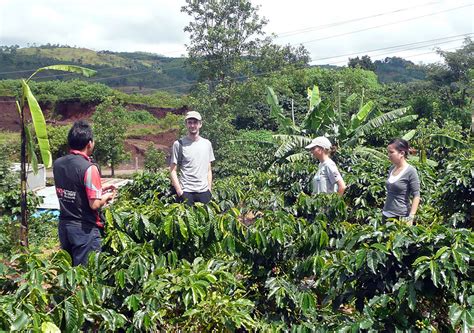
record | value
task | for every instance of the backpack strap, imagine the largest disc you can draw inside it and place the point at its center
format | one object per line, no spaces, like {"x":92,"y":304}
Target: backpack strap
{"x":180,"y":152}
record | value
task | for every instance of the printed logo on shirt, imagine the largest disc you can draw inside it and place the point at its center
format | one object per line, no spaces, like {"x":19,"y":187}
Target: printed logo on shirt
{"x":65,"y":195}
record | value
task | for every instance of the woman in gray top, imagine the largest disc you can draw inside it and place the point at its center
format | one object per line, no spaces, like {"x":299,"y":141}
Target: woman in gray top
{"x":402,"y":183}
{"x":327,"y":179}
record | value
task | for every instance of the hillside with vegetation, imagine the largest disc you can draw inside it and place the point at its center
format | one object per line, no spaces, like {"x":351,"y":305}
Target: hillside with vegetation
{"x":143,"y":72}
{"x":131,"y":72}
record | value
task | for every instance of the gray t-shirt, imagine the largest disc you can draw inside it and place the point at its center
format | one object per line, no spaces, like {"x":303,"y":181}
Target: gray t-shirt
{"x":325,"y":180}
{"x":399,"y":190}
{"x":194,"y":164}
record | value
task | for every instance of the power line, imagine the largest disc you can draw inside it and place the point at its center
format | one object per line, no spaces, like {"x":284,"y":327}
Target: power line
{"x":437,"y":41}
{"x":404,"y":57}
{"x":383,"y":25}
{"x":330,"y":25}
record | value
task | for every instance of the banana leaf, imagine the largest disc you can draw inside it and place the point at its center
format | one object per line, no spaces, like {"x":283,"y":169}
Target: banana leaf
{"x":290,"y":142}
{"x":376,"y":123}
{"x":32,"y":158}
{"x":39,"y":125}
{"x":359,"y":118}
{"x":276,"y":112}
{"x":448,"y":141}
{"x":296,"y":157}
{"x":408,"y":136}
{"x":314,"y":97}
{"x":366,"y":151}
{"x":66,"y":68}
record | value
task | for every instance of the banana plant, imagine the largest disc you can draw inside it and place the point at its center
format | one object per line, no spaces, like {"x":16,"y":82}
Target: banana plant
{"x":28,"y":153}
{"x":424,"y":139}
{"x":322,"y":118}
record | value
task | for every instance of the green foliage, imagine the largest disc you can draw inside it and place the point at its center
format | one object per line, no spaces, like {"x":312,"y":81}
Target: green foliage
{"x":168,"y":123}
{"x":455,"y":188}
{"x":396,"y":69}
{"x":162,"y":99}
{"x":115,"y":69}
{"x":10,"y":206}
{"x":140,"y":117}
{"x":154,"y":159}
{"x":109,"y":133}
{"x":58,"y":140}
{"x":261,"y":255}
{"x":338,"y":121}
{"x":236,"y":34}
{"x":364,"y":62}
{"x":265,"y":255}
{"x":246,"y":152}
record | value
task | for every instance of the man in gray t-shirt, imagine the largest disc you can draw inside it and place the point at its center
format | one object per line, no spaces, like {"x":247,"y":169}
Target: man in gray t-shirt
{"x":193,"y":154}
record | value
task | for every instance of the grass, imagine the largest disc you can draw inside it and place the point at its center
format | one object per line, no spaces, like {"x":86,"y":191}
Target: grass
{"x":170,"y":122}
{"x":7,"y":137}
{"x":85,"y":56}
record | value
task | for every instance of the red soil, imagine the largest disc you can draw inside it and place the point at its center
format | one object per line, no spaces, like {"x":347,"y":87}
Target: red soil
{"x":67,"y":113}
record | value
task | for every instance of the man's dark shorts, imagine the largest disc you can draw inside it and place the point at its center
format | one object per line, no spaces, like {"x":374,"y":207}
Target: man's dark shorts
{"x":191,"y":197}
{"x":79,"y":239}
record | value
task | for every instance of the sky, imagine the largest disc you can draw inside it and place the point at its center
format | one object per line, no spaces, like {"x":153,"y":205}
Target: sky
{"x":332,"y":31}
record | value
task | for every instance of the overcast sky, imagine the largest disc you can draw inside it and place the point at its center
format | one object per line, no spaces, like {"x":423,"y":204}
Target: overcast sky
{"x":332,"y":30}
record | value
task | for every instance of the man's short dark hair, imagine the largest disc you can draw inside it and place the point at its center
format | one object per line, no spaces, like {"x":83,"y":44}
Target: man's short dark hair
{"x":79,"y":135}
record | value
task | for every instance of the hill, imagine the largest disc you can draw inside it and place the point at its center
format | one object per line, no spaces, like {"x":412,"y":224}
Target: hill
{"x":134,"y":72}
{"x":395,"y":69}
{"x":146,"y":72}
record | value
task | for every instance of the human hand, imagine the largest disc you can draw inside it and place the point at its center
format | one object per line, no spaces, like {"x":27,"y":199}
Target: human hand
{"x":109,"y":195}
{"x":409,"y":219}
{"x":179,"y":192}
{"x":109,"y":188}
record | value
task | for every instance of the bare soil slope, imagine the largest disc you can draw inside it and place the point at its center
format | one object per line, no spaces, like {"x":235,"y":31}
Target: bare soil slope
{"x":67,"y":113}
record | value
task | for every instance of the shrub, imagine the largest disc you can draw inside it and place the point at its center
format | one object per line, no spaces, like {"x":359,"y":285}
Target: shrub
{"x":154,"y":159}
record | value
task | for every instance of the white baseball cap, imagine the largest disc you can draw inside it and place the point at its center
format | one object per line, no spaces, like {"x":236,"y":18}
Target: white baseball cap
{"x":320,"y":141}
{"x":194,"y":115}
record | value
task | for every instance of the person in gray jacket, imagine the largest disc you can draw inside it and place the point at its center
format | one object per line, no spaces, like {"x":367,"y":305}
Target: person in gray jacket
{"x":328,"y":179}
{"x":192,"y":155}
{"x":402,"y":184}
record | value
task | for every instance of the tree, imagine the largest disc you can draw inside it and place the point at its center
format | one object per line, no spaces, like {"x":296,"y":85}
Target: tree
{"x":110,"y":127}
{"x":455,"y":73}
{"x":364,"y":62}
{"x":221,"y":33}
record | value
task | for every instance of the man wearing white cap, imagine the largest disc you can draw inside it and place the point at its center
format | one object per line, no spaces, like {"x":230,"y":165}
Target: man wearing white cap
{"x":193,"y":154}
{"x":327,"y":179}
